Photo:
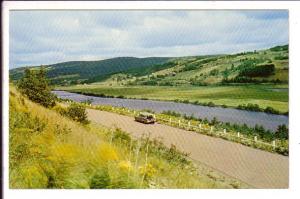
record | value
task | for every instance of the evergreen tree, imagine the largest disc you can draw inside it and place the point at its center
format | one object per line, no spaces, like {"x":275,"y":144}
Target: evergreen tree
{"x":35,"y":86}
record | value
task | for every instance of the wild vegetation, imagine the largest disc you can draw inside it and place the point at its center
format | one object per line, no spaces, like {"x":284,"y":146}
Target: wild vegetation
{"x":48,"y":150}
{"x":34,"y":85}
{"x":75,"y":111}
{"x":56,"y":147}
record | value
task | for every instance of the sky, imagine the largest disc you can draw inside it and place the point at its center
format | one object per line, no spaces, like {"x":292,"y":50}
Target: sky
{"x":48,"y":37}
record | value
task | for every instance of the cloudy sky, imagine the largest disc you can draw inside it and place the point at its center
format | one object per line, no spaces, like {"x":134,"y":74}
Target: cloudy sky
{"x":46,"y":37}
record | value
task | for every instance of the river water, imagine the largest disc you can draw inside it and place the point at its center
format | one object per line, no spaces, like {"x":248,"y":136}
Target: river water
{"x":268,"y":121}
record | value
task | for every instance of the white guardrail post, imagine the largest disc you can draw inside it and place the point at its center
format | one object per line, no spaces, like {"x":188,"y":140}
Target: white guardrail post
{"x":239,"y":135}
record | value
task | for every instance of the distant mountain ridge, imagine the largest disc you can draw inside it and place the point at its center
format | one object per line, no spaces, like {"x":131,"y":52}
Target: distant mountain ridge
{"x":90,"y":71}
{"x":263,"y":66}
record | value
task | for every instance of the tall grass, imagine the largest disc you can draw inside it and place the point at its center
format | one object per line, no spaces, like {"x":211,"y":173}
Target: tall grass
{"x":48,"y":150}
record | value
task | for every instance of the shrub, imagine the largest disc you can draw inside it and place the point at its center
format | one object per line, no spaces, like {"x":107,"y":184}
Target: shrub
{"x":214,"y":121}
{"x":281,"y":57}
{"x":173,"y":154}
{"x":88,"y":101}
{"x":191,"y":66}
{"x":34,"y":85}
{"x":185,"y":101}
{"x":271,"y":110}
{"x":189,"y":117}
{"x":282,"y":132}
{"x":121,"y":135}
{"x":258,"y":70}
{"x":211,"y":104}
{"x":171,"y":113}
{"x":214,"y":72}
{"x":149,"y":82}
{"x":249,"y":107}
{"x":77,"y":113}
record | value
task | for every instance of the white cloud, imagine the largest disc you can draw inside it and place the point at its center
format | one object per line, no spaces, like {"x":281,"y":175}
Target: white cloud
{"x":45,"y":37}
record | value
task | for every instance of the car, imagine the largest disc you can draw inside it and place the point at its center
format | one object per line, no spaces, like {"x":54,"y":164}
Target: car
{"x":145,"y":117}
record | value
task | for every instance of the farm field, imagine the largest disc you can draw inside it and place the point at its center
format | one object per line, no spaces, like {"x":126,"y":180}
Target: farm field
{"x":275,"y":96}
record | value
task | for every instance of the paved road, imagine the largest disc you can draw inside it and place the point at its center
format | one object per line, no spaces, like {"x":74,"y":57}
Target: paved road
{"x":257,"y":168}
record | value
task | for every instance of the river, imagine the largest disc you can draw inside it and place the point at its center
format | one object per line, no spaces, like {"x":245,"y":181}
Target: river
{"x":268,"y":121}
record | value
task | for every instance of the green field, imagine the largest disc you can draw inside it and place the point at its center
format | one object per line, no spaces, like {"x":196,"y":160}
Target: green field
{"x":275,"y":96}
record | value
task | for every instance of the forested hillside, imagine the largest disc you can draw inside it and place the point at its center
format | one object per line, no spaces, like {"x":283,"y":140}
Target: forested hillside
{"x":263,"y":66}
{"x":90,"y":71}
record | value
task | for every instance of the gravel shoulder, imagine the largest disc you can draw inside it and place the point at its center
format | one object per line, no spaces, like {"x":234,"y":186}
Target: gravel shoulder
{"x":257,"y":168}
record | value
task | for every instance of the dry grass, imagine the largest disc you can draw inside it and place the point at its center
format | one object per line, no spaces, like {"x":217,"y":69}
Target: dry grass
{"x":48,"y":150}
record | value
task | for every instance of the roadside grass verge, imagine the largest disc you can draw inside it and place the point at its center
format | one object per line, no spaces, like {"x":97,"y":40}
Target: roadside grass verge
{"x":252,"y":137}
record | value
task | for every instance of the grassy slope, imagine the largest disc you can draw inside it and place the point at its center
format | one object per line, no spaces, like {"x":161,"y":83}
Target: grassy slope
{"x":48,"y":150}
{"x":227,"y":95}
{"x":200,"y":72}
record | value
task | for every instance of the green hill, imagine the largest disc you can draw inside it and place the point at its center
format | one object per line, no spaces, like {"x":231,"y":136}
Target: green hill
{"x":90,"y":71}
{"x":263,"y":66}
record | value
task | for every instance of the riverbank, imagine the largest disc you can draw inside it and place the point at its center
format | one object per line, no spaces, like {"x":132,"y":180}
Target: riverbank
{"x":268,"y":121}
{"x":263,"y":97}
